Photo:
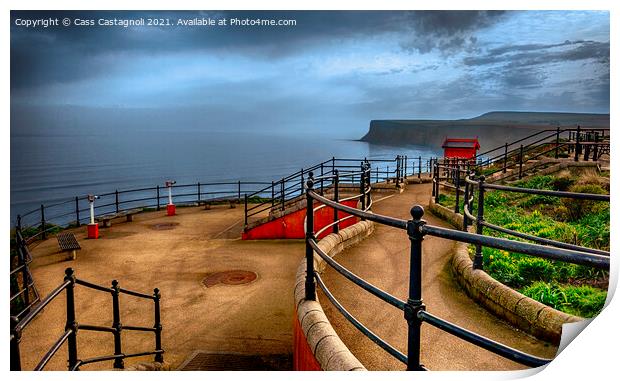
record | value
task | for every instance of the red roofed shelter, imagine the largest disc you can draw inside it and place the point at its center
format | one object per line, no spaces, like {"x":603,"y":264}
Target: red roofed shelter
{"x":460,"y":148}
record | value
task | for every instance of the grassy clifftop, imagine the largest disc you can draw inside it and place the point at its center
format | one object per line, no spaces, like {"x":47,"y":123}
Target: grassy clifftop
{"x":493,"y":128}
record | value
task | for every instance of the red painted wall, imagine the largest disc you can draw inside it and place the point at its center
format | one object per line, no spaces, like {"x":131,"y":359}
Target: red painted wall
{"x":466,"y":153}
{"x":303,"y":358}
{"x":291,"y":226}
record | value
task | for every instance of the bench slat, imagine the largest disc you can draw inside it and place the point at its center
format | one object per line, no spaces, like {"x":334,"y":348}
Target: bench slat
{"x":67,"y":241}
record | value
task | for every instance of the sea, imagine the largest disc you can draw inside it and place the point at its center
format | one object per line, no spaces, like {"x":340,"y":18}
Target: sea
{"x":52,"y":168}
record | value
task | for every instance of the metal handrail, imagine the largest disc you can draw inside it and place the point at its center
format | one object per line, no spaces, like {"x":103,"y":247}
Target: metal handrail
{"x":72,"y":326}
{"x":414,"y":307}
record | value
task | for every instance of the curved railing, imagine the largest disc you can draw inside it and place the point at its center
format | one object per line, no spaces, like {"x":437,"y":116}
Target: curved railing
{"x":414,"y":309}
{"x":257,"y":196}
{"x":72,"y":327}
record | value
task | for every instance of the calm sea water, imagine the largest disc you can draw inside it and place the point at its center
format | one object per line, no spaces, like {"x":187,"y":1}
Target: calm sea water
{"x":51,"y":168}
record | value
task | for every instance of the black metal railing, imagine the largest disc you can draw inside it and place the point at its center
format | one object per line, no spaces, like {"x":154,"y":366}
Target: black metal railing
{"x":24,"y":294}
{"x":291,"y":188}
{"x":72,"y":327}
{"x":257,"y":196}
{"x":414,"y":309}
{"x":589,"y":143}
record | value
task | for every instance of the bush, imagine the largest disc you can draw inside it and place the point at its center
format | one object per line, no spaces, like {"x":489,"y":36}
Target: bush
{"x":584,"y":301}
{"x":562,"y":183}
{"x":550,"y":294}
{"x":535,"y":269}
{"x":580,"y":208}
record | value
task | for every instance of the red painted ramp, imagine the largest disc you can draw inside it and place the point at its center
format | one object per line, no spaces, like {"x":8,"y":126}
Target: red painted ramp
{"x":291,"y":226}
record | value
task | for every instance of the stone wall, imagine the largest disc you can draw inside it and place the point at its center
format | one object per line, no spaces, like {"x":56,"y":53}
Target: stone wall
{"x":519,"y":310}
{"x":316,"y":331}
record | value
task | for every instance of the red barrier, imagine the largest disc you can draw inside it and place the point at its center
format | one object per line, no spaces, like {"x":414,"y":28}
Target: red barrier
{"x":303,"y":358}
{"x":292,"y":225}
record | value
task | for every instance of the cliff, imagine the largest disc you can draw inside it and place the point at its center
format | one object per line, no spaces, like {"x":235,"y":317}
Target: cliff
{"x":493,"y":128}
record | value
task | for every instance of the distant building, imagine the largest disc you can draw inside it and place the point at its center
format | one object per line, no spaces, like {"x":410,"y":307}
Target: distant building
{"x":461,"y":148}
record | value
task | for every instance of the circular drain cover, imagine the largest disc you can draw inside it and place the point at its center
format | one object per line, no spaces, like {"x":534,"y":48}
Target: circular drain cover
{"x":164,"y":226}
{"x":231,"y":278}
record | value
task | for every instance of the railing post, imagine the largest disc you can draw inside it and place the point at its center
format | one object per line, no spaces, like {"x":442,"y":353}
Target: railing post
{"x":282,"y":192}
{"x":437,"y":180}
{"x":368,"y":186}
{"x":419,"y":167}
{"x":479,"y":223}
{"x":322,"y":179}
{"x":116,"y":200}
{"x":239,"y":192}
{"x":521,"y":161}
{"x":77,"y":211}
{"x":586,"y":152}
{"x":377,"y":175}
{"x":336,"y":199}
{"x":595,"y":153}
{"x":457,"y":183}
{"x":466,"y":202}
{"x":43,"y":233}
{"x":159,"y":357}
{"x":405,"y":166}
{"x":310,"y":284}
{"x":397,"y":170}
{"x":245,"y":209}
{"x":414,"y":301}
{"x":433,"y":179}
{"x":71,"y":322}
{"x":362,"y":187}
{"x":21,"y":260}
{"x":15,"y":339}
{"x":577,"y":143}
{"x":302,"y":183}
{"x":505,"y":157}
{"x":557,"y":142}
{"x":273,"y":194}
{"x":198,"y":191}
{"x":116,"y":324}
{"x":158,"y":197}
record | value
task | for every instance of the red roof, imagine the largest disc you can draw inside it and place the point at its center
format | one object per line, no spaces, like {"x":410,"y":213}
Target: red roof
{"x":461,"y":143}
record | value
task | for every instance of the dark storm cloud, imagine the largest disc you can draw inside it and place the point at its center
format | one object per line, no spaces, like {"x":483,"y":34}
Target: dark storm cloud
{"x":59,"y":54}
{"x":529,"y":55}
{"x":447,"y":31}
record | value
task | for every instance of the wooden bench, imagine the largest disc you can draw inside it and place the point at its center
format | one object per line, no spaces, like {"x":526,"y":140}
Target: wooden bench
{"x":106,"y":219}
{"x":232,"y":202}
{"x":68,"y":243}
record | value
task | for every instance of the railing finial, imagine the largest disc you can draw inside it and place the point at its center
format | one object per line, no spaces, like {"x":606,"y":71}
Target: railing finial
{"x":417,"y":212}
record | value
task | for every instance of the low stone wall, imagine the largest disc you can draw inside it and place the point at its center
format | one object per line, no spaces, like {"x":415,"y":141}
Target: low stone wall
{"x":519,"y":310}
{"x":149,"y":366}
{"x":317,"y":339}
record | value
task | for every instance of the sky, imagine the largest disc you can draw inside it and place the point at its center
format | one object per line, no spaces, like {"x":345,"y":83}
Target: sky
{"x":331,"y":72}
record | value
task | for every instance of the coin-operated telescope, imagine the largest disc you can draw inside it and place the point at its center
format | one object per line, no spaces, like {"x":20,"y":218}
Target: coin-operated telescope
{"x":92,"y":228}
{"x":170,"y":208}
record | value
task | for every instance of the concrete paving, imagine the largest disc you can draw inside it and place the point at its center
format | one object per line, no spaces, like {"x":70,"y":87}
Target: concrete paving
{"x":247,"y":319}
{"x":383,"y":260}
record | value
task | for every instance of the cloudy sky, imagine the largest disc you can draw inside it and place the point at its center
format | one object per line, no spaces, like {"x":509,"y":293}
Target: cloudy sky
{"x":331,"y":72}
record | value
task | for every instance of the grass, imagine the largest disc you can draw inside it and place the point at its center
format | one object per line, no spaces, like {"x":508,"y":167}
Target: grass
{"x":574,"y":289}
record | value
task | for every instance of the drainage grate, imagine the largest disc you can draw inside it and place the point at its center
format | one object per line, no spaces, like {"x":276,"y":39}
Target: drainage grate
{"x":164,"y":226}
{"x":200,"y":360}
{"x":231,"y":278}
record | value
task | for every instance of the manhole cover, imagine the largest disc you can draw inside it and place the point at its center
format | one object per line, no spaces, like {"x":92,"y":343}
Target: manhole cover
{"x":164,"y":226}
{"x":231,"y":278}
{"x":200,"y":360}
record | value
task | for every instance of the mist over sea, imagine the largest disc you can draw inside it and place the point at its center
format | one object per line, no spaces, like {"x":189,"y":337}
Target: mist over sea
{"x":47,"y":168}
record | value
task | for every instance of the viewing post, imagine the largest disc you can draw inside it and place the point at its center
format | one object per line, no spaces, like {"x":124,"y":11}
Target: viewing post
{"x":171,"y":209}
{"x":93,"y":228}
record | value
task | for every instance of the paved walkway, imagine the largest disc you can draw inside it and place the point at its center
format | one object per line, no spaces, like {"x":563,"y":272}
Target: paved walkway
{"x":383,"y":259}
{"x":254,"y":318}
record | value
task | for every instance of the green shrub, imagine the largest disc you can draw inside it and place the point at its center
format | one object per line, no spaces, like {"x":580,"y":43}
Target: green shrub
{"x":584,"y":301}
{"x":580,"y":208}
{"x":534,"y":269}
{"x":562,"y":183}
{"x":550,"y":294}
